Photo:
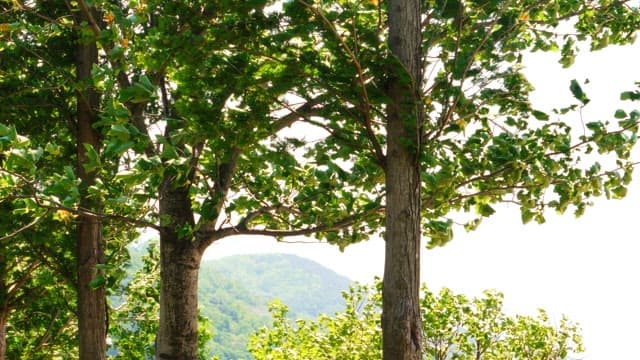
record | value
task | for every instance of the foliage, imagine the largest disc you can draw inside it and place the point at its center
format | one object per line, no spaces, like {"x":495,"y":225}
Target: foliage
{"x":40,"y":308}
{"x":454,"y":327}
{"x":38,"y":179}
{"x":352,"y":334}
{"x":37,"y":292}
{"x":483,"y":142}
{"x":134,"y":321}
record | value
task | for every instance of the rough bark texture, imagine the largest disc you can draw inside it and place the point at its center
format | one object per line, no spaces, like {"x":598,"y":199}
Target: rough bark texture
{"x":3,"y":335}
{"x":179,"y":265}
{"x":92,"y":328}
{"x":4,"y":308}
{"x":401,"y":323}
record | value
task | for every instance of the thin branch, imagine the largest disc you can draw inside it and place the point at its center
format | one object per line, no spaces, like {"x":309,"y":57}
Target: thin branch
{"x":17,"y":285}
{"x":587,"y":141}
{"x":54,"y":263}
{"x":102,"y":216}
{"x":245,"y":222}
{"x":93,"y":24}
{"x":24,"y":228}
{"x":44,"y":339}
{"x":503,"y":190}
{"x":582,"y":11}
{"x":449,"y":108}
{"x":302,"y":112}
{"x":446,"y":116}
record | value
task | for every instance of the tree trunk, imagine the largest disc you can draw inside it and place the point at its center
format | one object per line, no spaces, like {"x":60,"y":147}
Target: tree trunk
{"x":4,"y":315}
{"x":92,"y":320}
{"x":179,"y":264}
{"x":4,"y":307}
{"x":91,"y":302}
{"x":178,"y":331}
{"x":401,"y":323}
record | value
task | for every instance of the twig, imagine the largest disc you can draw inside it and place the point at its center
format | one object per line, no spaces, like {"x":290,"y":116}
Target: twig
{"x":24,"y":228}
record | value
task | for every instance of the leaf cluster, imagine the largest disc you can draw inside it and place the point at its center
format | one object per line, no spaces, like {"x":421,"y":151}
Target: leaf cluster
{"x":454,"y":327}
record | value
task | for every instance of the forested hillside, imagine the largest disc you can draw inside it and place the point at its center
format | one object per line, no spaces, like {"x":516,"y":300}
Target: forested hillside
{"x":235,"y":293}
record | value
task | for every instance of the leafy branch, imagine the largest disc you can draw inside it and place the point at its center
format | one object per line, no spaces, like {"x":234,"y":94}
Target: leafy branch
{"x":380,"y":157}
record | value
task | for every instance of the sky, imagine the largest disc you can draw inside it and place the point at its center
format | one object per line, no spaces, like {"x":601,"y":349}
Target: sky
{"x":586,"y":268}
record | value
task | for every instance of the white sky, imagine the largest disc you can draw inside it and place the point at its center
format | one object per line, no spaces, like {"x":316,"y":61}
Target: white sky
{"x":586,"y":268}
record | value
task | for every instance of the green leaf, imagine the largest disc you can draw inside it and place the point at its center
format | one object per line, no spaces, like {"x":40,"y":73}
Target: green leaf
{"x":104,"y":267}
{"x":93,"y":162}
{"x":485,"y":210}
{"x":620,"y":114}
{"x":630,"y":95}
{"x":540,"y":115}
{"x":139,"y":92}
{"x":117,"y":148}
{"x":116,"y":53}
{"x":120,"y":132}
{"x":7,"y":131}
{"x":619,"y":192}
{"x":526,"y":216}
{"x":97,"y":282}
{"x":144,"y":81}
{"x":577,"y":92}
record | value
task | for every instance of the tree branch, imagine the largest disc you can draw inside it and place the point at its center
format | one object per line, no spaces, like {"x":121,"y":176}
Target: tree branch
{"x":380,"y":157}
{"x":209,"y":237}
{"x":302,"y":112}
{"x":24,"y":228}
{"x":17,"y":285}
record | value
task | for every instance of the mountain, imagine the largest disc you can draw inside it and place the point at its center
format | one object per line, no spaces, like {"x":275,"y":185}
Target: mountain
{"x":235,"y":292}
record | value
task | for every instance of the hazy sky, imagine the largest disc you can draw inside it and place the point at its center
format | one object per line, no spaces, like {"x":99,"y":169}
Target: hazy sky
{"x":586,"y":268}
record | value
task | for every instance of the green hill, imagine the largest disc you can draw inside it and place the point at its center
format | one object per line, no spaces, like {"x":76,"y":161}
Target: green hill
{"x":235,"y":292}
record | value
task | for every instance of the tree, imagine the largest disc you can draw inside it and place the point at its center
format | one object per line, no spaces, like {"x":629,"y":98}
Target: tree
{"x":40,"y":276}
{"x":135,"y":316}
{"x":455,"y":103}
{"x":454,"y":327}
{"x":51,"y":96}
{"x":92,"y":305}
{"x":401,"y":335}
{"x":202,"y":106}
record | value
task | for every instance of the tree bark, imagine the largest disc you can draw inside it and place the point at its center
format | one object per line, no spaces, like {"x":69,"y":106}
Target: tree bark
{"x":178,"y":331}
{"x":4,"y":315}
{"x":401,"y":322}
{"x":179,"y":264}
{"x":92,"y":328}
{"x":4,"y":307}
